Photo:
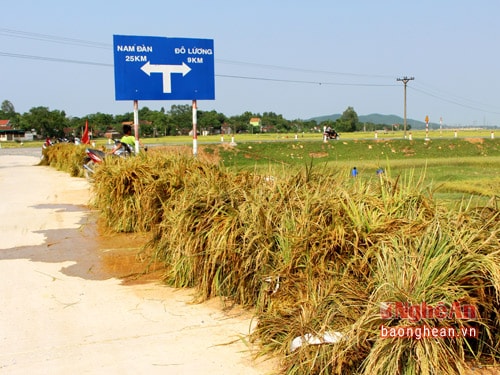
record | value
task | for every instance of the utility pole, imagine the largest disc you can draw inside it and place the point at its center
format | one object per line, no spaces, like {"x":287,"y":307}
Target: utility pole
{"x":405,"y":80}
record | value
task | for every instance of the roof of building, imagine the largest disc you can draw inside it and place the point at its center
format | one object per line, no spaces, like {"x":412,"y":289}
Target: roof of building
{"x":4,"y":123}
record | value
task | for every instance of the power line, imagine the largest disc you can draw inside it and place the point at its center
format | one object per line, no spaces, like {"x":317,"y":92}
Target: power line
{"x":299,"y":81}
{"x":269,"y":66}
{"x":92,"y":44}
{"x":434,"y":92}
{"x":100,"y":45}
{"x":53,"y":38}
{"x":454,"y":101}
{"x":55,"y":59}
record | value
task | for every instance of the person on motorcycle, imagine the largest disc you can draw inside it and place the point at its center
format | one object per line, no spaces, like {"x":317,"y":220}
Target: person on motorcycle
{"x":127,"y":139}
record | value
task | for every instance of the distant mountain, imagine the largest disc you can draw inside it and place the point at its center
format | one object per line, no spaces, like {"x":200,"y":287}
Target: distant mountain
{"x":376,"y":118}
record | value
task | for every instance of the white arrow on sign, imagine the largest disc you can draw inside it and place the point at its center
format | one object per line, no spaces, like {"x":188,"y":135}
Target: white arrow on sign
{"x":166,"y":71}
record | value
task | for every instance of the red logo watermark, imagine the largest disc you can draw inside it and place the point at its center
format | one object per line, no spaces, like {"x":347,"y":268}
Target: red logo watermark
{"x":417,"y":312}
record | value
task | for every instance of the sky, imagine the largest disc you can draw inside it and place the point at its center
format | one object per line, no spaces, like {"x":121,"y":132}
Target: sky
{"x":295,"y":58}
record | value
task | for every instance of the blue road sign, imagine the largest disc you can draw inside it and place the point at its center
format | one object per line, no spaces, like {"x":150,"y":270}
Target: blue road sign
{"x":161,"y":68}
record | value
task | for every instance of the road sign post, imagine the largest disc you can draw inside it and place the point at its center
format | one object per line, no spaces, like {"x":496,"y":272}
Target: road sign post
{"x":427,"y":128}
{"x":195,"y":128}
{"x":136,"y":125}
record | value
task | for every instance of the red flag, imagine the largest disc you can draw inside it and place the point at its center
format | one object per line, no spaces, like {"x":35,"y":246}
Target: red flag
{"x":85,"y":136}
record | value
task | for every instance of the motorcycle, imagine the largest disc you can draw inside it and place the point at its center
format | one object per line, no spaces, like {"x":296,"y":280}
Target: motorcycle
{"x":95,"y":157}
{"x":331,"y":134}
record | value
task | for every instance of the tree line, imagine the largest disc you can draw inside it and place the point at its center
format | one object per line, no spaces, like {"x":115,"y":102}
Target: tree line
{"x":176,"y":121}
